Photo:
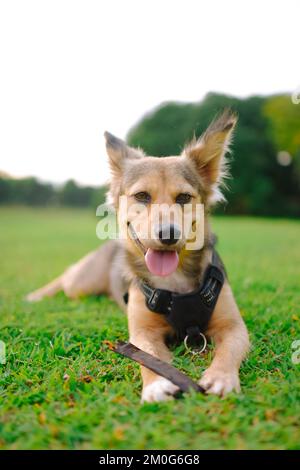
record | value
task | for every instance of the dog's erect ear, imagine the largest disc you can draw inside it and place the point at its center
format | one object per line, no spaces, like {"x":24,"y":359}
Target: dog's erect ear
{"x":119,"y":152}
{"x":208,"y":152}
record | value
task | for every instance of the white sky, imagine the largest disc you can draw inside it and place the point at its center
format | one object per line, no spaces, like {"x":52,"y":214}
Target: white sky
{"x":71,"y":69}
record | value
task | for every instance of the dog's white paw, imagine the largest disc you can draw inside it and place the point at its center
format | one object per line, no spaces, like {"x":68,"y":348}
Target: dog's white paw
{"x":34,"y":297}
{"x":159,"y":390}
{"x":219,"y":382}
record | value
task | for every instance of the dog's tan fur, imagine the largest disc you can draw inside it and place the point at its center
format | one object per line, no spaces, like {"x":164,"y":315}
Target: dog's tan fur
{"x":115,"y":266}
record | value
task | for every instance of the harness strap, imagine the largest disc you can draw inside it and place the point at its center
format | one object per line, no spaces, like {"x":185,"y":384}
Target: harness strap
{"x":188,"y":314}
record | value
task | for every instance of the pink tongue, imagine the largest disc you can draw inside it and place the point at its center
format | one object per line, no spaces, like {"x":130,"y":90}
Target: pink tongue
{"x":161,"y":263}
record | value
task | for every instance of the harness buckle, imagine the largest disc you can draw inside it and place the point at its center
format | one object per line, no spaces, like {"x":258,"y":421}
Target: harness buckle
{"x":158,"y":300}
{"x":152,"y":302}
{"x":212,"y":287}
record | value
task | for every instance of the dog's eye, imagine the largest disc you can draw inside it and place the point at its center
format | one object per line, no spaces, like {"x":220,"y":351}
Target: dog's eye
{"x":143,"y":197}
{"x":183,"y":198}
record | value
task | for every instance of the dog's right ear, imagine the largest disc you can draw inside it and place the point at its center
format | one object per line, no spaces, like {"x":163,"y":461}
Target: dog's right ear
{"x":118,"y":153}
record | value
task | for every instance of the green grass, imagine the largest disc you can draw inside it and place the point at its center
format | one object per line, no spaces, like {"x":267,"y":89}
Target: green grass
{"x":62,"y":388}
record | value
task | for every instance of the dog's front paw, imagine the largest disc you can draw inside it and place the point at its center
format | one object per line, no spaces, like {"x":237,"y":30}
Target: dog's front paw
{"x":159,"y":390}
{"x":220,"y":382}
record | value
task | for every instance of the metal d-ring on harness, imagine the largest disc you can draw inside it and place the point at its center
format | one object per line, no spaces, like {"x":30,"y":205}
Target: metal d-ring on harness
{"x":198,"y":350}
{"x":189,"y":314}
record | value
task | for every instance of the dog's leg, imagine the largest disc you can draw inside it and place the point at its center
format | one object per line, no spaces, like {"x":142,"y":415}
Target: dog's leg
{"x":49,"y":290}
{"x":89,"y":276}
{"x":232,"y":344}
{"x":147,"y":331}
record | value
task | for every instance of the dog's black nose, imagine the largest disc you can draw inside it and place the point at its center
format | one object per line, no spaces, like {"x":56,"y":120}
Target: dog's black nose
{"x":169,"y":234}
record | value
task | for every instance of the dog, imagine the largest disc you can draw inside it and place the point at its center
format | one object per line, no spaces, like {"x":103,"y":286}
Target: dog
{"x":164,"y":262}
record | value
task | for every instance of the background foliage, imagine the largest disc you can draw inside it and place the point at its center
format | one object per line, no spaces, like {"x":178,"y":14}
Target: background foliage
{"x":267,"y":125}
{"x":31,"y":192}
{"x":260,"y":185}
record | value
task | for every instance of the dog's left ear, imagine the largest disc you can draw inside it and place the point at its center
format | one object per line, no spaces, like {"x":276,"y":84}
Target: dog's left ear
{"x":208,"y":153}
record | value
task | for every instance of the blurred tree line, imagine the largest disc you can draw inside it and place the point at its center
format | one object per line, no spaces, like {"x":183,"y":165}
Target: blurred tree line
{"x":30,"y":191}
{"x":265,"y":161}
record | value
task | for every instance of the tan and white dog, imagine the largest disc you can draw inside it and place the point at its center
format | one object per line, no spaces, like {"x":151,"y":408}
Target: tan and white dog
{"x":193,"y":177}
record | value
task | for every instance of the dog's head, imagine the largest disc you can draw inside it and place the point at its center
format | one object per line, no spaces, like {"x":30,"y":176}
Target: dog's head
{"x":158,"y":198}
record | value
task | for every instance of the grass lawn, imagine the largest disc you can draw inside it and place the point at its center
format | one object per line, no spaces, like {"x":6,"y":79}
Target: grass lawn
{"x":62,"y":388}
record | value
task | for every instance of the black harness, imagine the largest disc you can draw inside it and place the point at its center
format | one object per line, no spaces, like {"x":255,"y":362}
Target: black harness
{"x":188,"y":314}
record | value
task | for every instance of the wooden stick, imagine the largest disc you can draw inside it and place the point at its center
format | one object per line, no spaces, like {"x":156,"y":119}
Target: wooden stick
{"x":162,"y":368}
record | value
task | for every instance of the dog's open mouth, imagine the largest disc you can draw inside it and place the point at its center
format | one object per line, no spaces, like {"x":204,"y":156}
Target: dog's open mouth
{"x":161,"y":263}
